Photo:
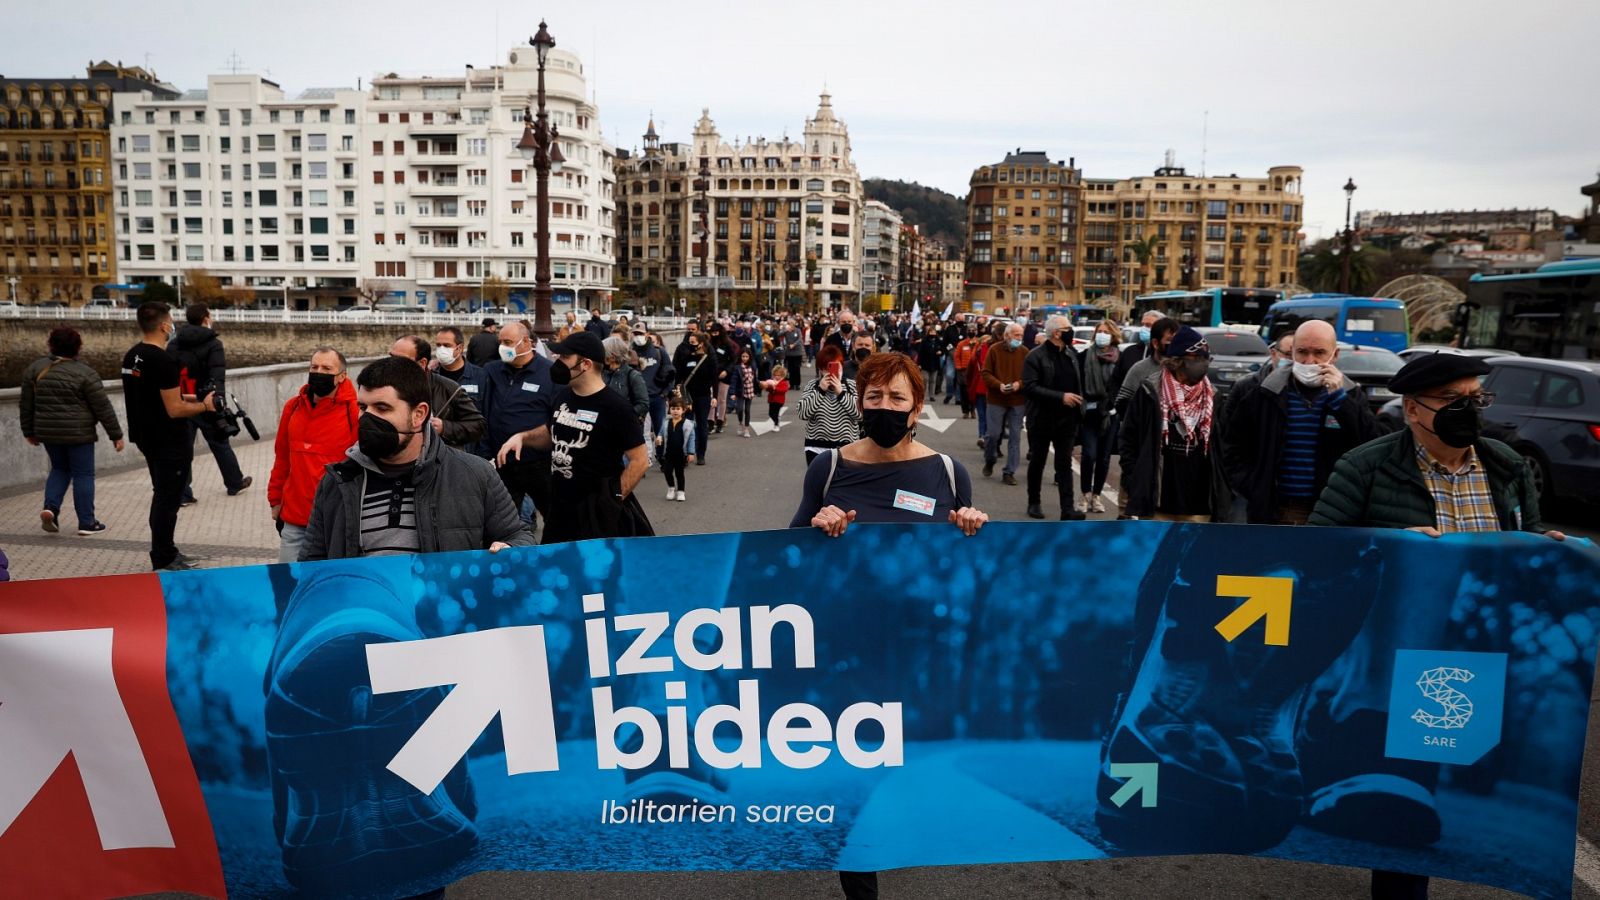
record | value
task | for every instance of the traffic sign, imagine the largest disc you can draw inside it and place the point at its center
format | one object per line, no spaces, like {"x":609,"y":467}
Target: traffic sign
{"x":705,"y":283}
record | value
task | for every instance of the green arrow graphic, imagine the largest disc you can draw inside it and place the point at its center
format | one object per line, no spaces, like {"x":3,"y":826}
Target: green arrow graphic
{"x":1141,"y":777}
{"x":1265,"y":598}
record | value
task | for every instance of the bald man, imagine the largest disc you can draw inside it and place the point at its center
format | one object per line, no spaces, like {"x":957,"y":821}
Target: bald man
{"x":1282,"y":440}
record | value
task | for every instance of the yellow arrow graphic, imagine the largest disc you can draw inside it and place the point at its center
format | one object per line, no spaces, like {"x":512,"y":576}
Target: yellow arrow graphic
{"x":1265,"y":598}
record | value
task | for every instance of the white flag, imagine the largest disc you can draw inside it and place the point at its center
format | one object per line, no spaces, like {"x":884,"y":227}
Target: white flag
{"x":916,"y":310}
{"x":945,"y":316}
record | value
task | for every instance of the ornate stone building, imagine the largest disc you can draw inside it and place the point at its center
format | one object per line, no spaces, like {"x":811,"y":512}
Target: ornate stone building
{"x":781,"y":218}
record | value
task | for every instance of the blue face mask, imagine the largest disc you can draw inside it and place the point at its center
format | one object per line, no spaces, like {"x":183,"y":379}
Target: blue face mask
{"x":1016,"y":344}
{"x":1144,"y":334}
{"x":1285,"y":363}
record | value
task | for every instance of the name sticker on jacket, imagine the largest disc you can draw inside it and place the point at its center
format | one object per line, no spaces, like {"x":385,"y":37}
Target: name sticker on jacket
{"x":914,"y":502}
{"x":530,"y":387}
{"x":473,"y":389}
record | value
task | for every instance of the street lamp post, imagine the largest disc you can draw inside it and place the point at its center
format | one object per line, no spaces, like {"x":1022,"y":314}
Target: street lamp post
{"x":13,"y":281}
{"x":705,"y":224}
{"x":1349,"y":236}
{"x":538,"y":145}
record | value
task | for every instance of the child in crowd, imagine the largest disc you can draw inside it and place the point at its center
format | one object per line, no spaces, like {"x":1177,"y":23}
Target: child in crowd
{"x":675,"y":447}
{"x":777,"y":388}
{"x":742,"y":392}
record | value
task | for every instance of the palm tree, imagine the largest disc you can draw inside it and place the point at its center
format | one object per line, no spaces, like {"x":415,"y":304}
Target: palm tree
{"x":1322,"y":269}
{"x":1143,"y":251}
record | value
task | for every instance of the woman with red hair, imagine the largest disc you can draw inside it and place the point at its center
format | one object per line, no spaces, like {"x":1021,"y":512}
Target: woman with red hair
{"x":887,"y":476}
{"x":828,"y":405}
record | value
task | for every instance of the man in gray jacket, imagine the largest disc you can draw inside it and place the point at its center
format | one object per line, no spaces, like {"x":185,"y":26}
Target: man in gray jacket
{"x":402,"y":489}
{"x":62,"y":401}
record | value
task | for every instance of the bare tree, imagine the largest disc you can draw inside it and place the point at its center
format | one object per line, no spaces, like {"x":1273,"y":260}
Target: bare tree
{"x":496,"y":290}
{"x":372,"y":290}
{"x":238,"y":295}
{"x":456,"y":294}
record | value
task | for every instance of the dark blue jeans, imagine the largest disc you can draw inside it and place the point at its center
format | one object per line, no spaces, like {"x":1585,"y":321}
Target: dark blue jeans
{"x":71,"y":464}
{"x":701,"y":409}
{"x":1097,"y":446}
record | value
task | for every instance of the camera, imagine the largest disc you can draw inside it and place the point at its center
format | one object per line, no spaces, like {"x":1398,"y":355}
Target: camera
{"x":229,"y":414}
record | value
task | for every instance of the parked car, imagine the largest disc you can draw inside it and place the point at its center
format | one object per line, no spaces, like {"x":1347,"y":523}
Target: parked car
{"x":103,"y":303}
{"x":10,"y":308}
{"x":1371,"y":367}
{"x":1235,"y":354}
{"x":1417,"y":350}
{"x":617,"y":314}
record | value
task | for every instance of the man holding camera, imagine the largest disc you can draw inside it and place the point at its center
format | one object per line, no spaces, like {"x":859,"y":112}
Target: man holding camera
{"x":197,"y":349}
{"x":158,"y":424}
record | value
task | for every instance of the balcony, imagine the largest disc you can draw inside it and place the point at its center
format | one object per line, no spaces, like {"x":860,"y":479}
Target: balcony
{"x":441,"y":124}
{"x":438,"y":188}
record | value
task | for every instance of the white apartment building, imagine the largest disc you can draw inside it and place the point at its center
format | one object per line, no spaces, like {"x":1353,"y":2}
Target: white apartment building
{"x":448,"y":201}
{"x":880,"y":248}
{"x":238,"y":179}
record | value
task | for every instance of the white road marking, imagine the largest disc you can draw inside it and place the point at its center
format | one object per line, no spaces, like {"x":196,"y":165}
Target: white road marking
{"x":1586,"y":867}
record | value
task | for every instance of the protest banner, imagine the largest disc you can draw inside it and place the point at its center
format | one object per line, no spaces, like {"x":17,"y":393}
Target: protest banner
{"x":899,"y":696}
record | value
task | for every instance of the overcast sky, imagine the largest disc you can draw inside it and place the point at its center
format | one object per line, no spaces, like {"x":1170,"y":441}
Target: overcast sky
{"x":1427,"y":105}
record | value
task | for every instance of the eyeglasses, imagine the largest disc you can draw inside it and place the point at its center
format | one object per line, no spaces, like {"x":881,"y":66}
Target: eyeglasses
{"x":1479,"y":401}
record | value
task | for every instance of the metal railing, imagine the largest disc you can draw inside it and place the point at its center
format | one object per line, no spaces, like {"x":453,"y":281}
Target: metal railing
{"x":353,"y":316}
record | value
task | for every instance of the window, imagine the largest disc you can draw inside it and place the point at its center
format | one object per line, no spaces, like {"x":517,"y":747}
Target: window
{"x":141,"y":171}
{"x":193,"y":225}
{"x":478,"y":177}
{"x":399,"y":176}
{"x":377,"y":177}
{"x":141,"y":143}
{"x":477,"y":146}
{"x":266,"y":170}
{"x":267,"y":198}
{"x":267,"y":142}
{"x":192,"y":198}
{"x":194,"y":252}
{"x":319,"y":198}
{"x":1514,"y":385}
{"x":319,"y":226}
{"x":317,"y":169}
{"x":349,"y":117}
{"x":517,"y":269}
{"x":316,"y":142}
{"x":1560,"y":391}
{"x":191,"y":170}
{"x":477,"y":207}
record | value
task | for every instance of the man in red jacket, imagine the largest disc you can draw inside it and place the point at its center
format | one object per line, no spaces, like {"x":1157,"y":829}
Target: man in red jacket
{"x":317,"y":426}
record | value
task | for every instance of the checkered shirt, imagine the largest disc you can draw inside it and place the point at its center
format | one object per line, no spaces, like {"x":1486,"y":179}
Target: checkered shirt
{"x":1461,"y":499}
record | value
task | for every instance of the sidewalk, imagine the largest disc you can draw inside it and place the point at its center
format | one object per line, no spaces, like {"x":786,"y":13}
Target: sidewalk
{"x":226,"y":531}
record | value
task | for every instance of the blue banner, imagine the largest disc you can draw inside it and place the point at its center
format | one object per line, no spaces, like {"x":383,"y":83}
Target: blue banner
{"x":900,"y":696}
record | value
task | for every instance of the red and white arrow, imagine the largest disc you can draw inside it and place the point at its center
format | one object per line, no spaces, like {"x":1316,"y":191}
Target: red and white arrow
{"x":58,"y":696}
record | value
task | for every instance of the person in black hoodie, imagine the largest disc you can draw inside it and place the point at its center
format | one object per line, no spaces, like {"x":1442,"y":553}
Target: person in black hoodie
{"x":199,"y":351}
{"x":1054,"y":392}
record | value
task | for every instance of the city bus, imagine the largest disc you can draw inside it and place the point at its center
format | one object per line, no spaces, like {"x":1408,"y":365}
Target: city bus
{"x":1078,"y":313}
{"x":1553,"y":312}
{"x":1368,"y":321}
{"x":1211,"y":307}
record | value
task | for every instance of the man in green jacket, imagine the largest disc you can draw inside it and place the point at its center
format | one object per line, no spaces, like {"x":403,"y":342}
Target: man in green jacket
{"x":1437,"y":476}
{"x":62,"y":401}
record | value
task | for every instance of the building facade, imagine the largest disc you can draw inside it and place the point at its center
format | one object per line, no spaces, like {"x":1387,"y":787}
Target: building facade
{"x":257,"y":189}
{"x":56,"y":217}
{"x":1459,"y":221}
{"x":783,"y":219}
{"x":952,"y":279}
{"x":911,"y":285}
{"x":1022,"y":231}
{"x":448,"y":218}
{"x":880,"y":249}
{"x":1171,"y":230}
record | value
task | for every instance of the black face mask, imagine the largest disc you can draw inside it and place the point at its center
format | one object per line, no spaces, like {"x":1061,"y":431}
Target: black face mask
{"x":560,"y":373}
{"x":886,"y":427}
{"x":862,"y":353}
{"x":320,"y":384}
{"x":1458,"y":428}
{"x":378,"y":438}
{"x":845,"y":327}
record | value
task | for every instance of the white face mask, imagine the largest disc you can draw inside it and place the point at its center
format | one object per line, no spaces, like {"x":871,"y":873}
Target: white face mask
{"x":1308,"y":374}
{"x":508,"y":354}
{"x":445,"y":355}
{"x":1101,"y":339}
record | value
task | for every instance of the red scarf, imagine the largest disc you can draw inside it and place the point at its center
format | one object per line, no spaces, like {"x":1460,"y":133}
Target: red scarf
{"x":1192,"y":404}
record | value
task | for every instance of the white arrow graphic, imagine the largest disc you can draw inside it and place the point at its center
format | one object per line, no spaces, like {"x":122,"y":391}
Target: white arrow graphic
{"x":501,"y":672}
{"x":58,"y":696}
{"x":931,"y":419}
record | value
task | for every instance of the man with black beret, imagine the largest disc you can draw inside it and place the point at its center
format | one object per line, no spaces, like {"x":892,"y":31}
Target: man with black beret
{"x":1436,"y":476}
{"x":1439,"y":474}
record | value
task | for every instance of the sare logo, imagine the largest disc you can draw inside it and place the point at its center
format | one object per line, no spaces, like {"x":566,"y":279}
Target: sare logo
{"x":1445,"y":706}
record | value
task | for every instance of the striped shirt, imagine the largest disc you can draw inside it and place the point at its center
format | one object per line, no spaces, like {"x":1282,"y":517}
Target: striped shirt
{"x":388,"y":515}
{"x":1461,"y":499}
{"x":831,"y":419}
{"x":1297,"y":465}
